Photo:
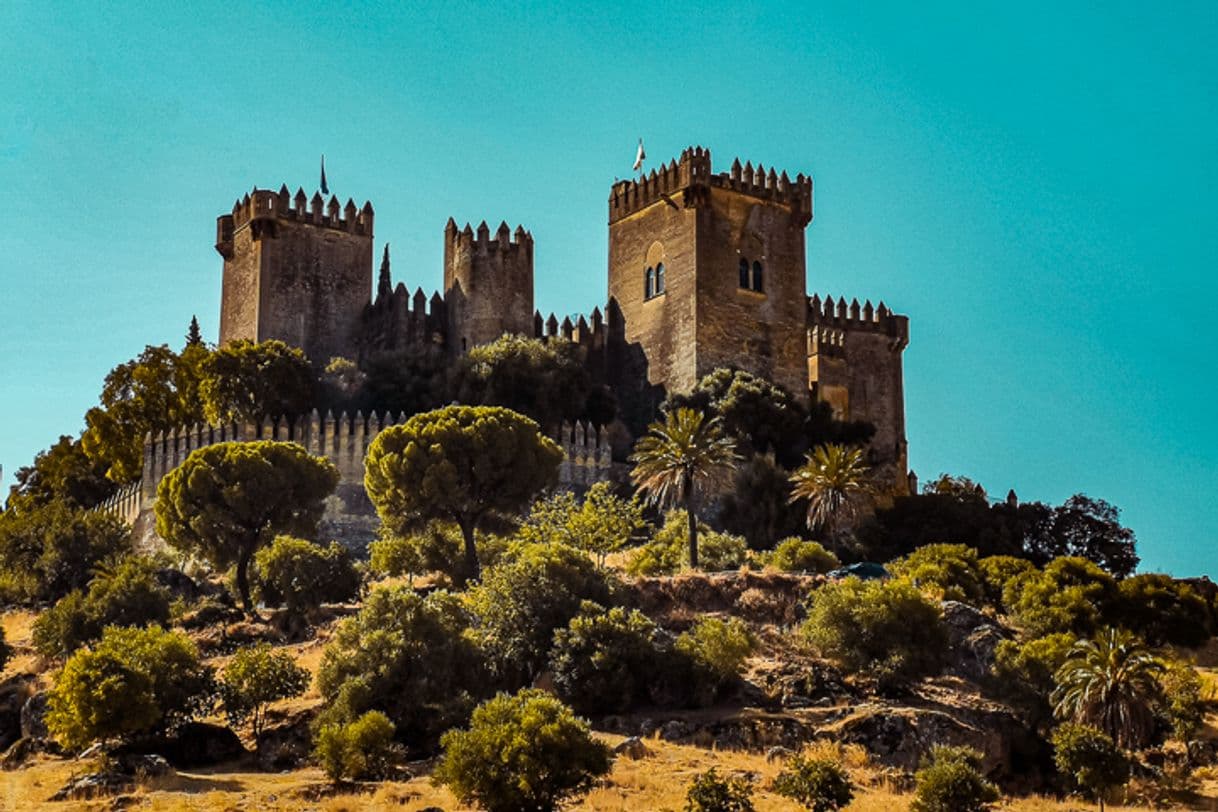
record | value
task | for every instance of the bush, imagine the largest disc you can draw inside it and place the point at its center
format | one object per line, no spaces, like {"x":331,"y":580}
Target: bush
{"x":408,"y":656}
{"x":127,"y":595}
{"x":437,"y":547}
{"x":821,"y":785}
{"x":132,"y":681}
{"x":1163,"y":611}
{"x":1090,"y":759}
{"x":710,"y":792}
{"x":720,"y":646}
{"x":356,"y":750}
{"x":949,"y":571}
{"x":302,"y":575}
{"x":526,"y":751}
{"x":1182,"y":702}
{"x":604,"y":661}
{"x":255,"y":677}
{"x":668,"y":550}
{"x":1068,"y":595}
{"x":886,"y":628}
{"x":1024,"y":671}
{"x":798,"y":555}
{"x":601,"y":524}
{"x":50,"y":551}
{"x":534,"y":591}
{"x":951,"y":781}
{"x":999,"y":570}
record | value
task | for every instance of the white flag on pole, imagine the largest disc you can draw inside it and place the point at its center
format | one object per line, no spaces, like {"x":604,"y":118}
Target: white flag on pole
{"x":638,"y":159}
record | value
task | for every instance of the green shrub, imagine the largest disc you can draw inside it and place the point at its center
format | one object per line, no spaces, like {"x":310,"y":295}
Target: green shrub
{"x":125,"y":595}
{"x":1163,"y":611}
{"x":818,"y":784}
{"x":361,"y":749}
{"x":604,"y":661}
{"x":436,"y":547}
{"x":1068,"y":595}
{"x":720,"y":646}
{"x":255,"y":677}
{"x":997,"y":571}
{"x":533,"y":591}
{"x":1090,"y":759}
{"x":951,"y":781}
{"x":52,"y":550}
{"x":668,"y":550}
{"x":407,"y":656}
{"x":601,"y":524}
{"x":1182,"y":703}
{"x":949,"y":571}
{"x":797,"y":555}
{"x":132,"y":681}
{"x":1024,"y":671}
{"x":302,"y":575}
{"x":885,"y":628}
{"x":711,"y":792}
{"x":521,"y":752}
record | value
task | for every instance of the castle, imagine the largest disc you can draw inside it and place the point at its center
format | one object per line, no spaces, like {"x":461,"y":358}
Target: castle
{"x":705,"y":270}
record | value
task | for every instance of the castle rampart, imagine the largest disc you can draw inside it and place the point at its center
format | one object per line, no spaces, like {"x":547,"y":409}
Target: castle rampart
{"x":488,"y":283}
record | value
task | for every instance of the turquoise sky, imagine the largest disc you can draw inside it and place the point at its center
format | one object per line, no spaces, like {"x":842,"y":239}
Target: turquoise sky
{"x":1033,"y":183}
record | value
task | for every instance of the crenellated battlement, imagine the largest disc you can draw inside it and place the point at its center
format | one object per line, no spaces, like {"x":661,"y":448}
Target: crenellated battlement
{"x":693,"y":171}
{"x":481,"y":239}
{"x":587,"y":455}
{"x":590,"y":331}
{"x":262,"y":208}
{"x":833,"y":319}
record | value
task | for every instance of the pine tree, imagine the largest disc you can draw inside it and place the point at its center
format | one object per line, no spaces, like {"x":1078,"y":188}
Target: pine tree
{"x":194,"y":337}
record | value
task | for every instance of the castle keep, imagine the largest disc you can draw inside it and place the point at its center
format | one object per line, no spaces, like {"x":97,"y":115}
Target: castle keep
{"x":705,"y":270}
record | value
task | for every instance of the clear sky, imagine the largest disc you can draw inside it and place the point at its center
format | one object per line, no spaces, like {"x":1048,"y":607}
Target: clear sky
{"x":1033,"y":183}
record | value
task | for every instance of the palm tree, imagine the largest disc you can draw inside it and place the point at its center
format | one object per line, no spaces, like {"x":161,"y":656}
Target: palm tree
{"x":834,"y":480}
{"x":679,"y":457}
{"x":1110,"y":683}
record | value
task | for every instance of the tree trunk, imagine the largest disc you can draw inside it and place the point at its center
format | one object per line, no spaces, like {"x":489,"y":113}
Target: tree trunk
{"x":243,"y":581}
{"x":473,"y":571}
{"x":693,"y":524}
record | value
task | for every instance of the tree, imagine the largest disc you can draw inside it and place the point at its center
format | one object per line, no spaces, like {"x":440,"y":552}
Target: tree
{"x":833,"y":480}
{"x":720,"y":646}
{"x":601,"y":524}
{"x":543,"y":379}
{"x":762,"y":416}
{"x":244,"y":381}
{"x":818,"y":784}
{"x":668,"y":551}
{"x":1068,"y":595}
{"x":525,"y":598}
{"x":407,"y":381}
{"x":757,"y":506}
{"x":157,"y":391}
{"x":1091,"y":759}
{"x":1091,"y":528}
{"x":1110,"y":683}
{"x":302,"y":575}
{"x":711,"y":792}
{"x":465,"y":464}
{"x":64,"y":474}
{"x":48,"y":551}
{"x":886,"y":628}
{"x":255,"y":677}
{"x":680,"y":458}
{"x":958,"y":487}
{"x":194,"y":336}
{"x":132,"y":681}
{"x":229,"y":499}
{"x":362,"y":748}
{"x":408,"y":656}
{"x":951,"y":781}
{"x":1162,"y":610}
{"x":526,"y":751}
{"x":1182,"y":702}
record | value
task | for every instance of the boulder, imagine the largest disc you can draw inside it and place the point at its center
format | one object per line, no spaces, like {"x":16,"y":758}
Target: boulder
{"x":144,"y":765}
{"x":94,"y":785}
{"x":973,"y":640}
{"x":33,"y":717}
{"x":286,"y":745}
{"x":194,"y":744}
{"x":13,"y":693}
{"x":632,"y":748}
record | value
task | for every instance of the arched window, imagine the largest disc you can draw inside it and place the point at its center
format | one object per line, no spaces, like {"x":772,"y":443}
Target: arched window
{"x":744,"y":274}
{"x":758,"y":277}
{"x":659,"y":279}
{"x":649,"y":284}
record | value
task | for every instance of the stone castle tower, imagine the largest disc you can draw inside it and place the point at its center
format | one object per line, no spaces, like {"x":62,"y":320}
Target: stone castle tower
{"x":488,"y":283}
{"x":295,"y":270}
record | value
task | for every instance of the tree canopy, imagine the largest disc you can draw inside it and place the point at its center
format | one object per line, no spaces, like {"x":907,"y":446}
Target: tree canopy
{"x":228,"y":499}
{"x":248,"y":381}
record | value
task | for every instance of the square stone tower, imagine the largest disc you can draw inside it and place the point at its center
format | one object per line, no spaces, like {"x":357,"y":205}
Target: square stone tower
{"x":300,"y":275}
{"x":708,"y":271}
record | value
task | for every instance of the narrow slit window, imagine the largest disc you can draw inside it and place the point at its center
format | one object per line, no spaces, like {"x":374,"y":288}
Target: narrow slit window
{"x":659,"y":278}
{"x":744,"y":274}
{"x":649,"y":284}
{"x":758,"y":277}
